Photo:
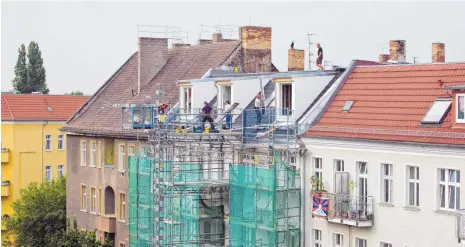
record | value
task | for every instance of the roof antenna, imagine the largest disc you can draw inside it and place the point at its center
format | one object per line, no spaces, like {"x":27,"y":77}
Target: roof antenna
{"x":250,"y":21}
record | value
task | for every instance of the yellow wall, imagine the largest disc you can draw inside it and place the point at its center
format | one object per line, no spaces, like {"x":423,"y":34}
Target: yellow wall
{"x":28,"y":157}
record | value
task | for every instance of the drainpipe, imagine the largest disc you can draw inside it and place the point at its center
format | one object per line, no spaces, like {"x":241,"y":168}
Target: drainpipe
{"x":45,"y":123}
{"x":304,"y":202}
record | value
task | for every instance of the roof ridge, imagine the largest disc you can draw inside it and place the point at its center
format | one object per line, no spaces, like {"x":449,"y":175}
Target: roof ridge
{"x":8,"y":106}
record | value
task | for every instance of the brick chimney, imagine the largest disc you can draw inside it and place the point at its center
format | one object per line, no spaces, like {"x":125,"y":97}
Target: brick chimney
{"x":295,"y":60}
{"x":217,"y":37}
{"x":397,"y":50}
{"x":439,"y":52}
{"x":153,"y":54}
{"x":256,"y":49}
{"x":383,"y":58}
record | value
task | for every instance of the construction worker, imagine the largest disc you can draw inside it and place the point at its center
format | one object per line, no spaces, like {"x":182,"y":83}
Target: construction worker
{"x":206,"y":115}
{"x":257,"y":106}
{"x":319,"y":60}
{"x":227,"y":105}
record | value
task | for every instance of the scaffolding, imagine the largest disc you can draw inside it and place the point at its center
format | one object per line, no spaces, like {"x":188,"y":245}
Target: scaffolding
{"x":214,"y":188}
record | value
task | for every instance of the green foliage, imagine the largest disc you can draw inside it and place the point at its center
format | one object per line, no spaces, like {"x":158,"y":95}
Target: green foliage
{"x":39,"y":219}
{"x":75,"y":92}
{"x":20,"y":80}
{"x":30,"y":77}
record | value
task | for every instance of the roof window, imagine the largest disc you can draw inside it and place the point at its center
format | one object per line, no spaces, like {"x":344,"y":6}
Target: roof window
{"x":438,"y":111}
{"x":49,"y":108}
{"x":347,"y":105}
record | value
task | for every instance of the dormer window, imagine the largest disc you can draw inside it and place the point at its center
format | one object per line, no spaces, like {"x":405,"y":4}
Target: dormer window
{"x":186,"y":99}
{"x":460,"y":106}
{"x":438,"y":111}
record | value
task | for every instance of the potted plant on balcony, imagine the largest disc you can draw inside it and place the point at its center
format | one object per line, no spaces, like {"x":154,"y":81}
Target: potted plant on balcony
{"x":317,"y":186}
{"x":6,"y":182}
{"x":346,"y":202}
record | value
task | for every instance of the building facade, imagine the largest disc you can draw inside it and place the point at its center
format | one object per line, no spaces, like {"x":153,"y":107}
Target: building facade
{"x":385,"y":158}
{"x":33,"y":147}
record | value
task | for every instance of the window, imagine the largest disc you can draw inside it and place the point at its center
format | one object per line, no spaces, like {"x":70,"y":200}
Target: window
{"x":437,"y":112}
{"x":338,"y":240}
{"x":383,"y":244}
{"x":318,"y":167}
{"x":338,"y":165}
{"x":186,"y":100}
{"x":100,"y":201}
{"x":60,"y":171}
{"x":286,"y":99}
{"x":83,"y":198}
{"x":362,"y":179}
{"x":360,"y":242}
{"x":99,"y":154}
{"x":93,"y":153}
{"x":122,"y":245}
{"x":225,"y":94}
{"x":316,"y":237}
{"x":131,"y":151}
{"x":460,"y":108}
{"x":83,"y":152}
{"x":386,"y":183}
{"x":347,"y":105}
{"x":48,"y":142}
{"x":143,"y":151}
{"x":60,"y":142}
{"x":122,"y":206}
{"x":413,"y":186}
{"x":93,"y":200}
{"x":449,"y":189}
{"x":48,"y":173}
{"x":121,"y":158}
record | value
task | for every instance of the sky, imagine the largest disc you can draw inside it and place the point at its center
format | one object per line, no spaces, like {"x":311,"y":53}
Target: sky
{"x":84,"y":43}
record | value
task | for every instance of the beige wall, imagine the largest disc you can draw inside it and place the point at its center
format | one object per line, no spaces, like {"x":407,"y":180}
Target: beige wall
{"x":397,"y":224}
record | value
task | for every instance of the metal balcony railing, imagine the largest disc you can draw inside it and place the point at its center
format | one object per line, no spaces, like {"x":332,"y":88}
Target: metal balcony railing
{"x":351,"y":210}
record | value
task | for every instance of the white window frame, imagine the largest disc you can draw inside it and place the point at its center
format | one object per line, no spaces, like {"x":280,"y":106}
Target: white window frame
{"x":93,"y":204}
{"x":48,"y":142}
{"x":447,"y":183}
{"x":61,"y":142}
{"x":361,"y":176}
{"x":457,"y":108}
{"x":390,"y":179}
{"x":357,"y":242}
{"x":184,"y":101}
{"x":84,"y":197}
{"x":122,"y":205}
{"x":416,"y":182}
{"x":317,"y":242}
{"x":48,"y":173}
{"x":60,"y":171}
{"x":279,"y":97}
{"x":318,"y":167}
{"x":133,"y":151}
{"x":121,"y":156}
{"x":83,"y":148}
{"x":384,"y":244}
{"x":338,"y":164}
{"x":221,"y":99}
{"x":93,"y":153}
{"x":334,"y":237}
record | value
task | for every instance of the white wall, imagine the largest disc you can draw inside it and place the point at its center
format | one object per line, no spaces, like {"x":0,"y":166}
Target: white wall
{"x":244,"y":91}
{"x":396,"y":224}
{"x":202,"y":91}
{"x":305,"y":90}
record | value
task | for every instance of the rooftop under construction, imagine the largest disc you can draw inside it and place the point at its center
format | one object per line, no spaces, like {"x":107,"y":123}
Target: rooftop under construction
{"x":198,"y":187}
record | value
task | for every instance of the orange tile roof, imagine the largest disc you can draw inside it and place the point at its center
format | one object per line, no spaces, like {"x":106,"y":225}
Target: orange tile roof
{"x":390,"y":102}
{"x":33,"y":107}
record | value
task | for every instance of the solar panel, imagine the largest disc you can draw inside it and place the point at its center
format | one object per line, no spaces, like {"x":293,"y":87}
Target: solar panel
{"x":437,"y":112}
{"x":347,"y":105}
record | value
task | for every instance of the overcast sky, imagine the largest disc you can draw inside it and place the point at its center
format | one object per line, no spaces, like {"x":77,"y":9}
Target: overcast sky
{"x":84,"y":43}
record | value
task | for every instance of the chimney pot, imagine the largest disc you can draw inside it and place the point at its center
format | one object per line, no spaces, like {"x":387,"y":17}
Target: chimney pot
{"x":217,"y":37}
{"x":397,"y":51}
{"x":438,"y":52}
{"x":383,"y":58}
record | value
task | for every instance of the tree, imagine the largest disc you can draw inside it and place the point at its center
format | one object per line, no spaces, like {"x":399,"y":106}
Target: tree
{"x":20,"y":80}
{"x":72,"y":237}
{"x":35,"y":70}
{"x":39,"y":213}
{"x":75,"y":92}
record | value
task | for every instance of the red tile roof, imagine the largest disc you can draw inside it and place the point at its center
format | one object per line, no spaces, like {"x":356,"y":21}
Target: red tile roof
{"x":390,"y":102}
{"x":33,"y":107}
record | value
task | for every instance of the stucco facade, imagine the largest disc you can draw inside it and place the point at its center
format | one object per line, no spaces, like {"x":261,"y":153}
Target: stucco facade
{"x":394,"y":223}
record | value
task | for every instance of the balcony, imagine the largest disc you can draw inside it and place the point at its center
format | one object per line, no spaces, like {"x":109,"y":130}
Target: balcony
{"x":344,"y":209}
{"x":5,"y":190}
{"x":5,"y":155}
{"x":106,"y":223}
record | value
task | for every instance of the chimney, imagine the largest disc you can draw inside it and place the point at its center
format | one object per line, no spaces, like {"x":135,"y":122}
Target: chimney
{"x":383,"y":58}
{"x":217,"y":37}
{"x":295,"y":60}
{"x":439,"y":52}
{"x":256,"y":49}
{"x":397,"y":50}
{"x":153,"y":54}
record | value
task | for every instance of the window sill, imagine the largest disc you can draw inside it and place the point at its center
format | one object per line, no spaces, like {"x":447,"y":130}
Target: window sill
{"x":93,"y":166}
{"x":61,"y":150}
{"x":386,"y":204}
{"x":122,"y":221}
{"x":412,"y":208}
{"x":94,"y":213}
{"x":82,"y":165}
{"x":83,"y":210}
{"x":49,"y":150}
{"x":446,"y":212}
{"x":122,"y":171}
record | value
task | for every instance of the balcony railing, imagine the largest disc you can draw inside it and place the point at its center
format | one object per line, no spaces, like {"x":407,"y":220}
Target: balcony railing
{"x":347,"y":210}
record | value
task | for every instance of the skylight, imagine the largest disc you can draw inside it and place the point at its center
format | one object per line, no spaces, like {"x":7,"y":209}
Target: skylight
{"x":437,"y":112}
{"x":347,"y":105}
{"x":49,"y":108}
